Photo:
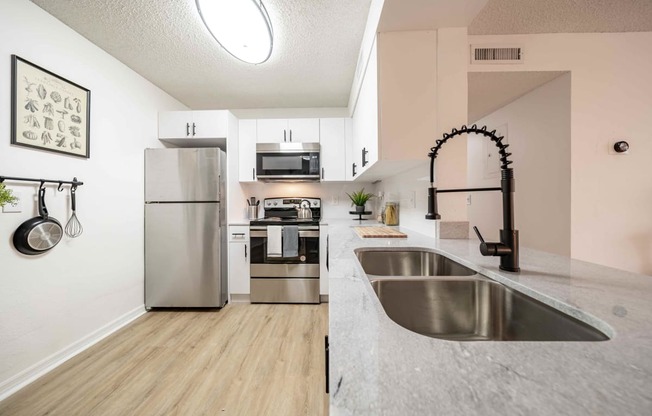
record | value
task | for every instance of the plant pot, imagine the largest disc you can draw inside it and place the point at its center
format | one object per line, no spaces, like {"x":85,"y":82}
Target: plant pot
{"x":359,"y":208}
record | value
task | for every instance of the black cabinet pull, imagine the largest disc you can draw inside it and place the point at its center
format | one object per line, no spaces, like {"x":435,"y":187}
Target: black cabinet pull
{"x":326,"y":353}
{"x":322,"y":173}
{"x":364,"y":156}
{"x":187,"y":129}
{"x":327,"y":249}
{"x":290,"y":135}
{"x":193,"y":129}
{"x":245,"y":251}
{"x":253,"y":173}
{"x":285,"y":135}
{"x":354,"y":170}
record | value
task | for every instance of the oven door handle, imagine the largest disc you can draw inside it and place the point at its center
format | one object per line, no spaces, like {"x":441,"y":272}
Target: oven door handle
{"x":263,"y":234}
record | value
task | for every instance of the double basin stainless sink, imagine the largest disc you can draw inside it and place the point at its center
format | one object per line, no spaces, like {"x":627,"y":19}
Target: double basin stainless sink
{"x":433,"y":295}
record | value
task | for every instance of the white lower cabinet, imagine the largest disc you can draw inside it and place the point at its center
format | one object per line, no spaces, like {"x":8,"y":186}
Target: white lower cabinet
{"x":323,"y":259}
{"x":239,"y":252}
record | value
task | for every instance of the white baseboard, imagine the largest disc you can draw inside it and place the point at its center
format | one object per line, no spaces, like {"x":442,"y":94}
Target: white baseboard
{"x":240,"y":298}
{"x":27,"y":376}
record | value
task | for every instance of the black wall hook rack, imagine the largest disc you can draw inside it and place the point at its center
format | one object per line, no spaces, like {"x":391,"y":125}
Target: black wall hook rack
{"x":74,"y":183}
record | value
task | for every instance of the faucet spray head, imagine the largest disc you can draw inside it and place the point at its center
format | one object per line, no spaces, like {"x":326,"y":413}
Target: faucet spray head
{"x":432,"y":204}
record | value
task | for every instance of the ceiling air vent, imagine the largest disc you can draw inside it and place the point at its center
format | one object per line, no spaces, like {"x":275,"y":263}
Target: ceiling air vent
{"x":502,"y":54}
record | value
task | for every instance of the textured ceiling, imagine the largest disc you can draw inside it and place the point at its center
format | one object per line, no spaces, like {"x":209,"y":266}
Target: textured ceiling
{"x":489,"y":91}
{"x":312,"y":65}
{"x":317,"y":42}
{"x":502,"y":17}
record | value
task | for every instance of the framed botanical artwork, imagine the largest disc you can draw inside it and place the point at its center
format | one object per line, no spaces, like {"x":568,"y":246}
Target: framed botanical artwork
{"x":48,"y":112}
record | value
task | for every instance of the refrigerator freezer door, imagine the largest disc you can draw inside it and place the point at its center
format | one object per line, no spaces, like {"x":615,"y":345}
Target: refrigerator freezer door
{"x":182,"y":175}
{"x":183,"y":261}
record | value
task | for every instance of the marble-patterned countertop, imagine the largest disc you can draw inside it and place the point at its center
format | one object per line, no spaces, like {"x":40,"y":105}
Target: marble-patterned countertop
{"x":380,"y":368}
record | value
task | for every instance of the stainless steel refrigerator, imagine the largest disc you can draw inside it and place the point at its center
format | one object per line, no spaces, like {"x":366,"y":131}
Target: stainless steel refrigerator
{"x":185,"y":230}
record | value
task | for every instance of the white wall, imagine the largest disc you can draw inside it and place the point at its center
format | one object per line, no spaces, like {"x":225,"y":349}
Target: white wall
{"x":538,"y":132}
{"x":611,"y":99}
{"x":52,"y":304}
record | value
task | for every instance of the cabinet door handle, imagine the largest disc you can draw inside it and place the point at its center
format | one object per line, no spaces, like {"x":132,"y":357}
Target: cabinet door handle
{"x":187,"y":129}
{"x":326,"y":361}
{"x":354,"y":170}
{"x":193,"y":129}
{"x":253,"y":173}
{"x":327,"y":249}
{"x":322,"y":173}
{"x":285,"y":135}
{"x":290,"y":135}
{"x":364,"y":157}
{"x":245,"y":251}
{"x":238,"y":234}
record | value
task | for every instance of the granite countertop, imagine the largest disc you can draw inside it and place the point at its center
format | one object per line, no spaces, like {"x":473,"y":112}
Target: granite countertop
{"x":380,"y":368}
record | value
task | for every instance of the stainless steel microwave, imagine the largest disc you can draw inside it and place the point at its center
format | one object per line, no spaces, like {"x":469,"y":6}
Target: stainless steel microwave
{"x":287,"y":162}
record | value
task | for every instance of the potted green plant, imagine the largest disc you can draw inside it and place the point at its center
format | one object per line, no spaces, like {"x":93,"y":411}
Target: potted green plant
{"x":359,"y":199}
{"x":6,"y":196}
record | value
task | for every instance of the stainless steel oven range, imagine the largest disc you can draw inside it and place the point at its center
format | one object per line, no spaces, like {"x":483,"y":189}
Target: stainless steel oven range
{"x":285,"y":252}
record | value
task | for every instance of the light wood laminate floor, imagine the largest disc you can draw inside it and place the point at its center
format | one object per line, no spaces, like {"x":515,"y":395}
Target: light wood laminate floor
{"x":241,"y":360}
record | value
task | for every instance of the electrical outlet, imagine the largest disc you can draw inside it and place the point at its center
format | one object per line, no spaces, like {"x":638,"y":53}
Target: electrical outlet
{"x":412,"y":199}
{"x":335,"y":200}
{"x":468,"y":200}
{"x":16,"y":207}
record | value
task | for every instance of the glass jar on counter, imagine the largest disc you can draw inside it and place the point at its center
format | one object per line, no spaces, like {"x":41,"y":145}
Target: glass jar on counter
{"x":390,"y":213}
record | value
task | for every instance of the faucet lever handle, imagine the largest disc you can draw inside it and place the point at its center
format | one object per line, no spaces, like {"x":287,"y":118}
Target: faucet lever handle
{"x":477,"y":232}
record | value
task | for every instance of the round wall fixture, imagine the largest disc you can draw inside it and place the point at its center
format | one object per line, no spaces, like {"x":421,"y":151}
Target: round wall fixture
{"x":241,"y":27}
{"x":621,"y":146}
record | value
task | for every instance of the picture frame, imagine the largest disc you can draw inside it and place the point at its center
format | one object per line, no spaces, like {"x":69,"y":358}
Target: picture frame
{"x":48,"y":112}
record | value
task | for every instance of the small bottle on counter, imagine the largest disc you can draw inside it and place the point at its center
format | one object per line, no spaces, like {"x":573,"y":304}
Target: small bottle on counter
{"x":391,"y":213}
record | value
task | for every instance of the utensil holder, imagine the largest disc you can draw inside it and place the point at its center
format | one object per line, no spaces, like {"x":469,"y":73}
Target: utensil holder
{"x":252,"y":212}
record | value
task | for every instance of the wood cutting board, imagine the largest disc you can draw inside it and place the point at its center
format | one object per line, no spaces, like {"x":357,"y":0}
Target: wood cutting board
{"x":379,"y":232}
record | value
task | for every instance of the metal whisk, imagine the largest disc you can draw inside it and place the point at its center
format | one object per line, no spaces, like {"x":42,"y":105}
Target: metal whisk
{"x":73,"y":227}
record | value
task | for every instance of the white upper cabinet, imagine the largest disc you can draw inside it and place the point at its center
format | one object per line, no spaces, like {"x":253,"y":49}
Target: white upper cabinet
{"x":299,"y":130}
{"x":332,"y":134}
{"x":247,"y":150}
{"x":272,"y":131}
{"x":304,"y":130}
{"x":395,"y":115}
{"x":208,"y":124}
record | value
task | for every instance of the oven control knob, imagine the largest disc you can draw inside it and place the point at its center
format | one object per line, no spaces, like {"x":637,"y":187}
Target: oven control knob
{"x":314,"y":203}
{"x":302,"y":258}
{"x":275,"y":203}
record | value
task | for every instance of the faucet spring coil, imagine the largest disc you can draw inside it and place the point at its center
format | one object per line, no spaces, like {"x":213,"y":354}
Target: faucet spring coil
{"x":504,"y":155}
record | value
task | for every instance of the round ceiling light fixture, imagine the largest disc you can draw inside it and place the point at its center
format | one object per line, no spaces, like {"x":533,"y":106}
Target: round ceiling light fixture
{"x":242,"y":27}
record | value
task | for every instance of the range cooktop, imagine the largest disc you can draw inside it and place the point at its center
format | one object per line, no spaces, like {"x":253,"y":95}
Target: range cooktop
{"x":282,"y":211}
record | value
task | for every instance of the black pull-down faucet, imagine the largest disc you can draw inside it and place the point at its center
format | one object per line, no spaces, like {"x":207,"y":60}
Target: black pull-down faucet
{"x":507,"y":248}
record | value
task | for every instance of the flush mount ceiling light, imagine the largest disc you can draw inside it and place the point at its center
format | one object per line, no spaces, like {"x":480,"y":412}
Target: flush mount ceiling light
{"x":242,"y":27}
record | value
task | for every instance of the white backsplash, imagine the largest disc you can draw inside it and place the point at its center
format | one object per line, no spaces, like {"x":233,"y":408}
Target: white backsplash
{"x":335,"y":202}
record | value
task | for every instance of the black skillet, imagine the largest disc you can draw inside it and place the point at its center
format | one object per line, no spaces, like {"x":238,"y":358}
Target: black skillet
{"x":39,"y":234}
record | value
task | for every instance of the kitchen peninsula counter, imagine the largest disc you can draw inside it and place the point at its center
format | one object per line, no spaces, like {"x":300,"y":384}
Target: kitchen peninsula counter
{"x":379,"y":368}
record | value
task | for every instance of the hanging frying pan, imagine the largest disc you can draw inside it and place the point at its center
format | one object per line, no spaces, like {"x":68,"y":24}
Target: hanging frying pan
{"x":39,"y":234}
